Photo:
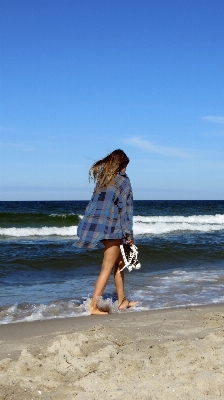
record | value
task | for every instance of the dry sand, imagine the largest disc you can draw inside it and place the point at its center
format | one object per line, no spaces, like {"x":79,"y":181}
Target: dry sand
{"x":166,"y":354}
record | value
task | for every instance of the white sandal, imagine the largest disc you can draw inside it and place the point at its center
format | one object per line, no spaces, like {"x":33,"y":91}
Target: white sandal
{"x":129,"y":254}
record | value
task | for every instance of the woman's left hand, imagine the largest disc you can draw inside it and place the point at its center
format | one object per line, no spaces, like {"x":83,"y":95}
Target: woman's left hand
{"x":130,"y":242}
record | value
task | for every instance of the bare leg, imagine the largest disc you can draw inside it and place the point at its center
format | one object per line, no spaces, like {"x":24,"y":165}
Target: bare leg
{"x":111,"y":253}
{"x":119,"y":283}
{"x":119,"y":278}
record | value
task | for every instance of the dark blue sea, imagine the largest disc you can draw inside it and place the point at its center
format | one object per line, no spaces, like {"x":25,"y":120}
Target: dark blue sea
{"x":43,"y":275}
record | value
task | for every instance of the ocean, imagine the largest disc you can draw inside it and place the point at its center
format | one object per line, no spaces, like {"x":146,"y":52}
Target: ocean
{"x":43,"y":275}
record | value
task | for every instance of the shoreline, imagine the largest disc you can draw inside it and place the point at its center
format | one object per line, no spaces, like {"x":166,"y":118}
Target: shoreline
{"x":26,"y":330}
{"x":153,"y":310}
{"x":156,"y":354}
{"x":55,"y":318}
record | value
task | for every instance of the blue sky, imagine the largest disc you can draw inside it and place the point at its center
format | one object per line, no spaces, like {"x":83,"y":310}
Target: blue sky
{"x":80,"y":78}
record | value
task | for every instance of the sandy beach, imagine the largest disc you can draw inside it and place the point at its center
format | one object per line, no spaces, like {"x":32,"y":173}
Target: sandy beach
{"x":164,"y":354}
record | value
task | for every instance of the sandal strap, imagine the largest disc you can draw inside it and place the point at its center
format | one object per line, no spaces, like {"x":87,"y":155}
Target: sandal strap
{"x":122,"y":301}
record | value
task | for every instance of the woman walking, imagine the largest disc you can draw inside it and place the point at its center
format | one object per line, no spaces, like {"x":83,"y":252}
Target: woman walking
{"x":109,"y":219}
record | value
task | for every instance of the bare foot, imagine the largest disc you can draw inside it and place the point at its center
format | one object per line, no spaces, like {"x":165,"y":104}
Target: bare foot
{"x":126,"y":304}
{"x":96,"y":311}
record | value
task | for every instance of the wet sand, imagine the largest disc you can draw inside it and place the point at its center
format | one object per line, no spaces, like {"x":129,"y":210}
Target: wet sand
{"x":164,"y":355}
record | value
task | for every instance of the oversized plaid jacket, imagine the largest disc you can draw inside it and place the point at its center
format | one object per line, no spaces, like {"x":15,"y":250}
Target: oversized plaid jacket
{"x":109,"y":214}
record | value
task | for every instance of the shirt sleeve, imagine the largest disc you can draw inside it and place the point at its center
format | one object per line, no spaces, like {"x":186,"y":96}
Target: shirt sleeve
{"x":128,"y":223}
{"x":126,"y":196}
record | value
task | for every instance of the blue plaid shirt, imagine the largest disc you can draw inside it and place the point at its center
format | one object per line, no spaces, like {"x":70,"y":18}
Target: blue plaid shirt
{"x":109,"y":214}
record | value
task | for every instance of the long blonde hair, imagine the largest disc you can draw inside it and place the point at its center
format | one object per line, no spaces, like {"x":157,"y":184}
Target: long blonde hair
{"x":104,"y":171}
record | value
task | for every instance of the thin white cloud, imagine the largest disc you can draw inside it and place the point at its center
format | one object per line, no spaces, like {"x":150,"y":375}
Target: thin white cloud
{"x":150,"y":147}
{"x":5,"y":130}
{"x":213,"y":118}
{"x":20,"y":146}
{"x":215,"y":133}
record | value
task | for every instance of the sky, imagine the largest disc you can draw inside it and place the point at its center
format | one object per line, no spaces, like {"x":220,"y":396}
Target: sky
{"x":81,"y":78}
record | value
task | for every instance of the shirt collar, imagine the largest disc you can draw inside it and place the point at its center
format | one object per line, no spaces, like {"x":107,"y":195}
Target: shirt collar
{"x":122,"y":173}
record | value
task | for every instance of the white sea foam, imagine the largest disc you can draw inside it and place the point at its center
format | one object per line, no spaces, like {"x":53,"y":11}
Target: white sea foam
{"x":58,"y":309}
{"x":154,"y":225}
{"x":192,"y":219}
{"x":43,"y":231}
{"x":160,"y":228}
{"x":62,"y":215}
{"x":165,"y":224}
